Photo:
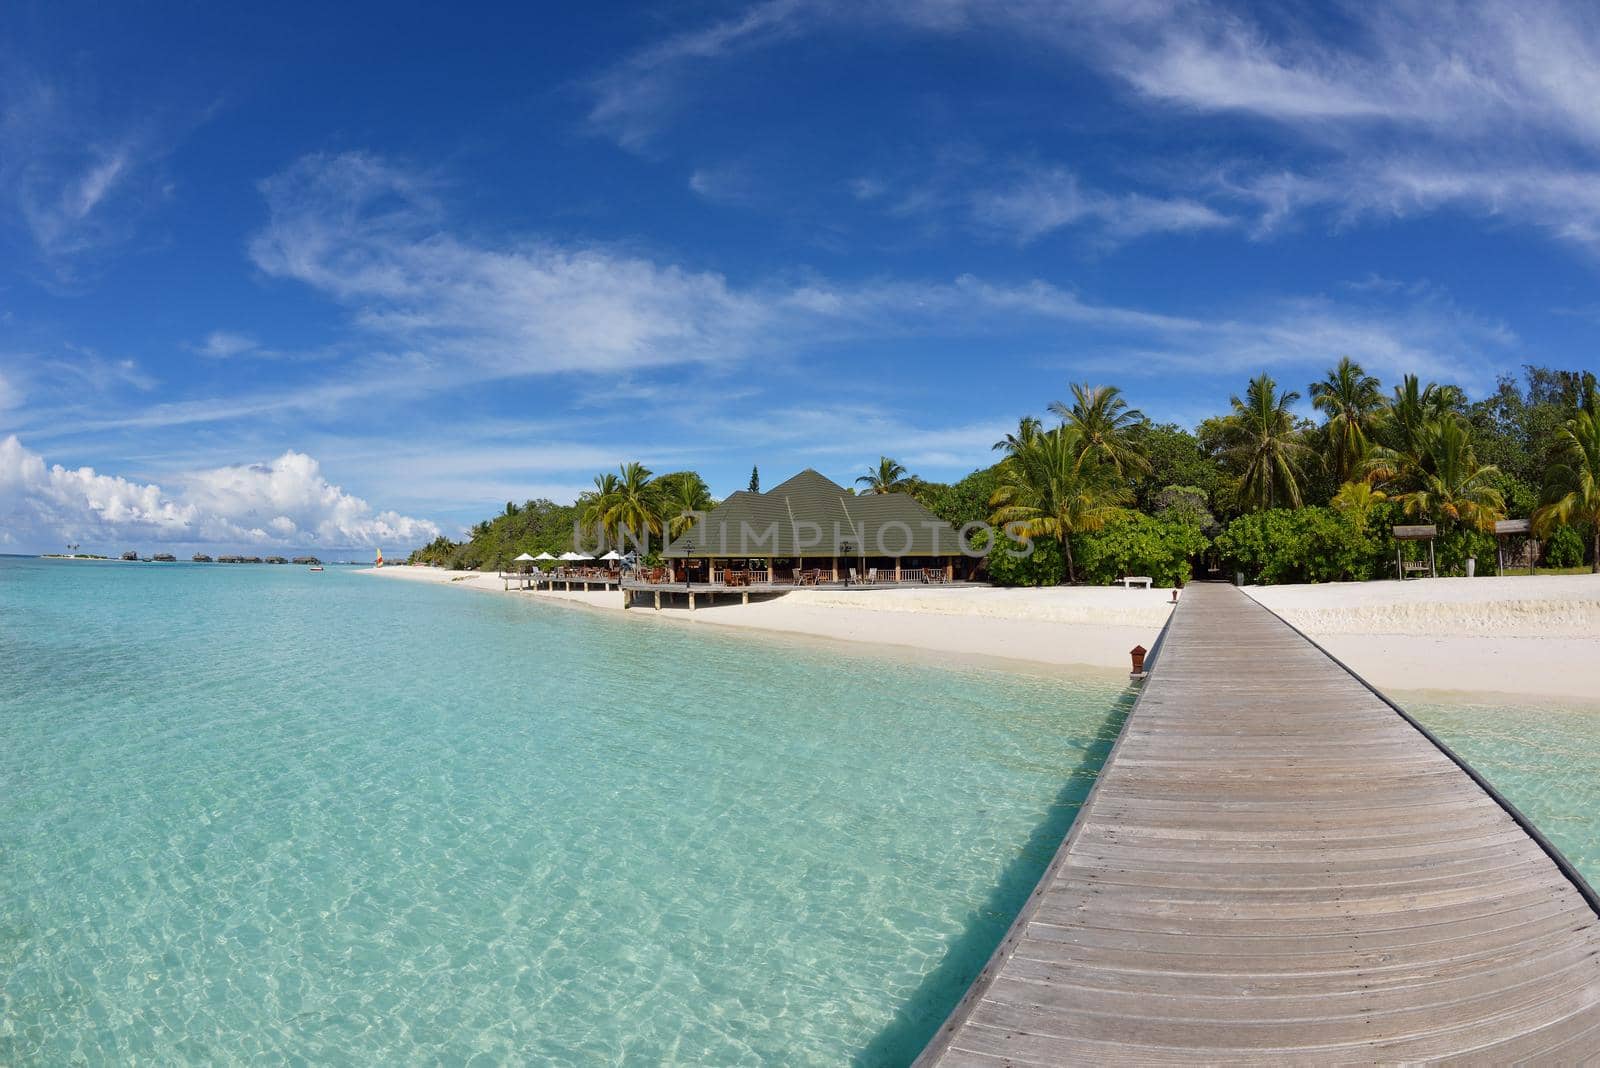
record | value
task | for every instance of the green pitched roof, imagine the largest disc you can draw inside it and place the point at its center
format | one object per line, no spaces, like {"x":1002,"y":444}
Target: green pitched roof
{"x":809,"y":515}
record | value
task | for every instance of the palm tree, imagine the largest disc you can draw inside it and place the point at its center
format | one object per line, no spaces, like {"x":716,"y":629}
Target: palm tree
{"x":1048,"y":489}
{"x":685,"y":496}
{"x":1451,"y":486}
{"x":1358,"y":498}
{"x":1572,"y":483}
{"x":634,"y":507}
{"x":887,"y":478}
{"x":1405,"y":415}
{"x":1265,"y":446}
{"x":594,"y":504}
{"x":1349,"y":398}
{"x":1028,"y":428}
{"x":1104,"y":424}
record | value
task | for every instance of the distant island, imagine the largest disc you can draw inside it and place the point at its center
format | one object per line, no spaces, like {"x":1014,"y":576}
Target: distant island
{"x":132,"y":556}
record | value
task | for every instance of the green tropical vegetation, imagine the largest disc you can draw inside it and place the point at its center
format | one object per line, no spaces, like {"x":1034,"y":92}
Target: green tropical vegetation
{"x":1058,"y":486}
{"x":1097,"y":490}
{"x":888,"y":477}
{"x":1572,"y":483}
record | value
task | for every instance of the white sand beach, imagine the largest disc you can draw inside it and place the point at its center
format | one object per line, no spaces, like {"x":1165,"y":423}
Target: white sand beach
{"x":1519,"y":636}
{"x":1536,"y":636}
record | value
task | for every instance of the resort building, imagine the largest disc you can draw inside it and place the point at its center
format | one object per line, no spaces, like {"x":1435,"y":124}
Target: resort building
{"x":810,"y":531}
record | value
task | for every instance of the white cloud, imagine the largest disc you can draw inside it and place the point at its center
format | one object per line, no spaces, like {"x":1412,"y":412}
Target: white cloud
{"x":1562,"y":202}
{"x":370,"y":235}
{"x":10,"y":394}
{"x":286,"y":503}
{"x":632,"y":97}
{"x":1483,"y":108}
{"x":858,"y":434}
{"x":728,"y":184}
{"x":223,"y":344}
{"x":1052,"y":198}
{"x":76,"y":177}
{"x":1387,"y":110}
{"x":1418,"y":330}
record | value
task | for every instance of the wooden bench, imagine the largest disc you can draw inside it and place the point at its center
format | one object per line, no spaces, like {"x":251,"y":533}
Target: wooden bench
{"x":1130,"y":581}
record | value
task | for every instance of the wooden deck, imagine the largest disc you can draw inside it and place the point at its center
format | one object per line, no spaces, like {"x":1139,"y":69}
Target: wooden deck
{"x":1277,"y":866}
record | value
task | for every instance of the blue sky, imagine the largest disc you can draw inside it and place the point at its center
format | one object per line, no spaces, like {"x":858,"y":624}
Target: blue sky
{"x":316,"y":277}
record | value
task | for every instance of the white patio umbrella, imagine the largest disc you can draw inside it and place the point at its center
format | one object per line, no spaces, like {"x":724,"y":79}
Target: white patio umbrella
{"x":569,"y":555}
{"x":524,"y":558}
{"x":544,"y":556}
{"x":612,"y":555}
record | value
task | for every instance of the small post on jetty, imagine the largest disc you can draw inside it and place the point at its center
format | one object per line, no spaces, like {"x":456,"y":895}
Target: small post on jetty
{"x":1137,"y":653}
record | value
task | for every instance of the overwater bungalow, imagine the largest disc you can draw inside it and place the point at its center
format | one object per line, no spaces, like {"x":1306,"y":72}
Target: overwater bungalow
{"x":164,"y":558}
{"x":812,"y":531}
{"x":200,"y":558}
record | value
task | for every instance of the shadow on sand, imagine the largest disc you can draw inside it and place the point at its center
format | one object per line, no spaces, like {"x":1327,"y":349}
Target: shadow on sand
{"x":921,"y":1016}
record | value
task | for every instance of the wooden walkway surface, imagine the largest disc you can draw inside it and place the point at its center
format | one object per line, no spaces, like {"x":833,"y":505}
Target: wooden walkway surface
{"x":1276,"y":866}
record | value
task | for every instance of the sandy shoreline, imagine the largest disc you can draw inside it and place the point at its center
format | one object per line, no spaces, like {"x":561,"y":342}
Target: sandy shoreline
{"x":1516,"y":637}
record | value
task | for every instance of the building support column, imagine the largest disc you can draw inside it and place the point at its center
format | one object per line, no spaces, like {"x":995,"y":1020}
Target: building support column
{"x":658,"y":600}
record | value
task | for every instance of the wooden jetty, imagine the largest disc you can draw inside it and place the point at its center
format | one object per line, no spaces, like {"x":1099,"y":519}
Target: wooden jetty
{"x":1277,"y":865}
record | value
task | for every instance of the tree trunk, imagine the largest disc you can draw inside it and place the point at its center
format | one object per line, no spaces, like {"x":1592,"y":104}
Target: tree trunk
{"x":1072,"y":570}
{"x":1594,"y":568}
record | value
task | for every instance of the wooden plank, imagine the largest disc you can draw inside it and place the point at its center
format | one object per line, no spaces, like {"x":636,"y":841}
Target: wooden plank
{"x":1276,"y":865}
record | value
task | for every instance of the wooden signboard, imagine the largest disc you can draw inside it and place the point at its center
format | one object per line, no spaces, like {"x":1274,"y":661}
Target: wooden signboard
{"x":1511,"y":526}
{"x":1416,"y":533}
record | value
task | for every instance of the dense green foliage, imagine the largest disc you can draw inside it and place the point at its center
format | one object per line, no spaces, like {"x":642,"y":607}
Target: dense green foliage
{"x":535,"y":527}
{"x":1565,"y":548}
{"x":963,"y":502}
{"x":1024,"y":561}
{"x":1296,"y":545}
{"x":1103,"y":491}
{"x":1136,"y":544}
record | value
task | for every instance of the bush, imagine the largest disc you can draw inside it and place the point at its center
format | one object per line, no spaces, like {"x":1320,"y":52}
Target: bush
{"x":1186,"y":504}
{"x":1139,"y":545}
{"x":966,"y":501}
{"x":1044,"y":566}
{"x":1452,"y":548}
{"x":1564,"y":549}
{"x":1297,"y":545}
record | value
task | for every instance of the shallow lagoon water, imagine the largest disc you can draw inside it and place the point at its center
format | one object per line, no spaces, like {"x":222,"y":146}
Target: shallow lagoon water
{"x":1543,"y":758}
{"x":256,"y":813}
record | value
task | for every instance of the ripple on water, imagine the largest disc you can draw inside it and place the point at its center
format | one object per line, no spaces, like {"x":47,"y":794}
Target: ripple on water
{"x":257,"y":813}
{"x":1544,"y":759}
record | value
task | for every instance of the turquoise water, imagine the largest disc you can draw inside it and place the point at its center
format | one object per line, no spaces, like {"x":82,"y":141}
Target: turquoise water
{"x":260,"y":814}
{"x":1544,"y":759}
